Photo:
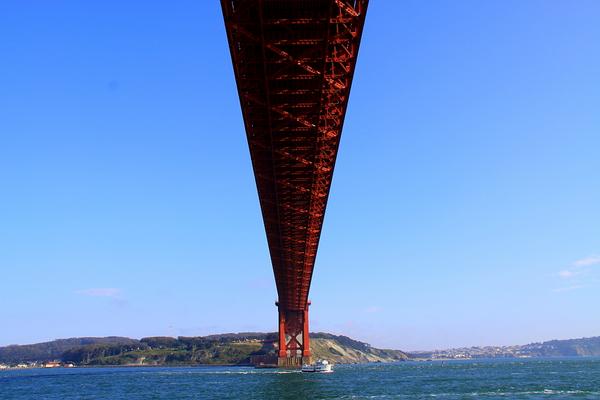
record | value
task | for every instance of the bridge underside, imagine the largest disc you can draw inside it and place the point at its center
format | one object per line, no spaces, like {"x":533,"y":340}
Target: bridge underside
{"x":293,"y":62}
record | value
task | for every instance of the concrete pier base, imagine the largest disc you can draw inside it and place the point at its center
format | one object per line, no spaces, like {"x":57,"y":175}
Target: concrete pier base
{"x":293,"y":362}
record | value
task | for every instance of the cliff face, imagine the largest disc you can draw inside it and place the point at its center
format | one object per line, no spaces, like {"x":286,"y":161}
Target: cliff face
{"x":339,"y":353}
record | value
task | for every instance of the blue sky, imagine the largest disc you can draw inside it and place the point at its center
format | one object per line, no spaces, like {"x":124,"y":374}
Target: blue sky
{"x":465,"y":208}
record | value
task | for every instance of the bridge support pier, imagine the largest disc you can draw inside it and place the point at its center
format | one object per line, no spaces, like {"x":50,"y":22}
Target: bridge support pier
{"x":294,"y":340}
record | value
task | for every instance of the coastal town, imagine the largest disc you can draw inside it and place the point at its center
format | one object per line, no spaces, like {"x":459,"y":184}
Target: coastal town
{"x":466,"y":353}
{"x":35,"y":364}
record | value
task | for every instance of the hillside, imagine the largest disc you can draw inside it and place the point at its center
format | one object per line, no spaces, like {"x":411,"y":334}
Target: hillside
{"x":53,"y":350}
{"x":583,"y":347}
{"x":343,"y":350}
{"x":225,"y":349}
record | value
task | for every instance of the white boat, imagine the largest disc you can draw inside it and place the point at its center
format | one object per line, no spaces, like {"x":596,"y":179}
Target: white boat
{"x":322,"y":366}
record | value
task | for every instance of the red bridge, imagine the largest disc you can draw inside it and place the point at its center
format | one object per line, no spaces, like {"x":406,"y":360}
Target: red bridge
{"x":293,"y":62}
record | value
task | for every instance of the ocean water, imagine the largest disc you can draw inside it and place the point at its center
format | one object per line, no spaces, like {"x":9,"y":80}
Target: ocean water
{"x":574,"y":378}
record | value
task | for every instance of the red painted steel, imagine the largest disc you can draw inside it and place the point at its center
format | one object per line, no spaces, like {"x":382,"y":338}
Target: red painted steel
{"x":293,"y":61}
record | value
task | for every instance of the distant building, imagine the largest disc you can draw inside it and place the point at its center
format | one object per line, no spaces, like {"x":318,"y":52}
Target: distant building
{"x":52,"y":364}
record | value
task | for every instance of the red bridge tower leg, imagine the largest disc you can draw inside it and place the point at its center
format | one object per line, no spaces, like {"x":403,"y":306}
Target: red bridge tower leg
{"x":294,"y":340}
{"x":282,"y":341}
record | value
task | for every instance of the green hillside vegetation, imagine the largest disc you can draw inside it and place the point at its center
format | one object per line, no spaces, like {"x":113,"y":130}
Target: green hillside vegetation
{"x":54,"y":350}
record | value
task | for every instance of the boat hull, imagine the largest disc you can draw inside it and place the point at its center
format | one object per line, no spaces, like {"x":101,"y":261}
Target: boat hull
{"x":319,"y":367}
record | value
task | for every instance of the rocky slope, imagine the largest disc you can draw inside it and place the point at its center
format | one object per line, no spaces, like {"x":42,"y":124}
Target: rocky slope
{"x":333,"y":350}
